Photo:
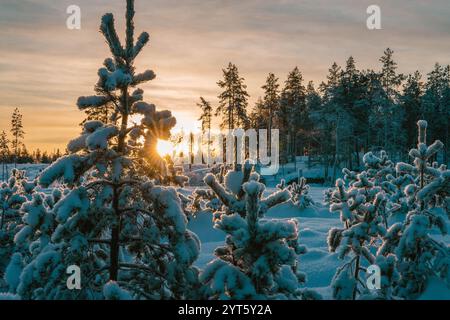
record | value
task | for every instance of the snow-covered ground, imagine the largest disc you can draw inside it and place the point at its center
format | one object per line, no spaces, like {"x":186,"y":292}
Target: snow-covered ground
{"x":32,"y":170}
{"x":318,"y":264}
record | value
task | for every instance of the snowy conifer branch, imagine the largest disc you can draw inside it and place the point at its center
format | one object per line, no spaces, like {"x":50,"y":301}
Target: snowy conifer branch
{"x":109,"y":173}
{"x":230,"y":194}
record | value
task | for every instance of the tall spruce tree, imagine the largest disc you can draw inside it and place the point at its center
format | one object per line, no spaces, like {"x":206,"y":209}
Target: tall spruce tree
{"x":233,"y":100}
{"x":206,"y":118}
{"x":411,"y":103}
{"x":292,"y":113}
{"x":313,"y":105}
{"x":17,"y":133}
{"x":257,"y":119}
{"x":445,"y":115}
{"x":271,"y":104}
{"x":436,"y":105}
{"x":4,"y":153}
{"x":372,"y":100}
{"x":332,"y":112}
{"x":351,"y":95}
{"x":106,"y":114}
{"x":271,"y":98}
{"x":390,"y":113}
{"x":206,"y":115}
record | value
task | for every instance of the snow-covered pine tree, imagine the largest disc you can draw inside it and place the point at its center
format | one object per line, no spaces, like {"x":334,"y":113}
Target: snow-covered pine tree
{"x":299,"y":193}
{"x":31,"y":237}
{"x":38,"y":221}
{"x":13,"y":196}
{"x":377,"y":167}
{"x":399,"y":199}
{"x":106,"y":114}
{"x":127,"y":235}
{"x":259,"y":260}
{"x":154,"y":125}
{"x":231,"y":192}
{"x":361,"y":209}
{"x":300,"y":196}
{"x":380,"y":172}
{"x":419,"y":255}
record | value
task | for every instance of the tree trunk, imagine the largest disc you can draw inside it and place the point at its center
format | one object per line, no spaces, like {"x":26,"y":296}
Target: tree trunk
{"x":358,"y":164}
{"x":16,"y":151}
{"x":336,"y":150}
{"x":350,"y":157}
{"x":269,"y":131}
{"x":446,"y":146}
{"x":115,"y":245}
{"x":356,"y":276}
{"x":209,"y":146}
{"x":115,"y":230}
{"x":3,"y":218}
{"x":335,"y":166}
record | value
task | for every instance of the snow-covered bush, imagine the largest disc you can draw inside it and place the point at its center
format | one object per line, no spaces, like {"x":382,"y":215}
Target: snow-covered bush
{"x":231,"y":192}
{"x":13,"y":194}
{"x":327,"y":196}
{"x":219,"y":170}
{"x":407,"y":256}
{"x":30,"y":235}
{"x":38,"y":225}
{"x":175,"y":175}
{"x":378,"y":167}
{"x":361,"y":208}
{"x":379,"y":173}
{"x":419,"y":255}
{"x":399,"y":200}
{"x":11,"y":199}
{"x":127,"y":234}
{"x":299,"y":193}
{"x":259,"y":259}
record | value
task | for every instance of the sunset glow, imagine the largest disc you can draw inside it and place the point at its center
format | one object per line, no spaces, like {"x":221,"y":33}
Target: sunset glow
{"x":165,"y":148}
{"x":190,"y":43}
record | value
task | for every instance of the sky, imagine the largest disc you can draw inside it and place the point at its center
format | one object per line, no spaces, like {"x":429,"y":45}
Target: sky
{"x":44,"y":66}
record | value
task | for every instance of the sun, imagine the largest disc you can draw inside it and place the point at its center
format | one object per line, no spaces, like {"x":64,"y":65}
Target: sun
{"x":164,"y":148}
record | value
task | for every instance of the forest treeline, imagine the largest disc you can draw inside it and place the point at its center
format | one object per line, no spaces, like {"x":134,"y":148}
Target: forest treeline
{"x":14,"y":150}
{"x":350,"y":113}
